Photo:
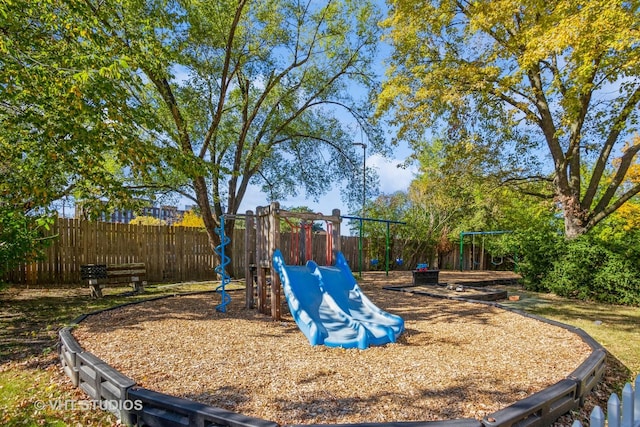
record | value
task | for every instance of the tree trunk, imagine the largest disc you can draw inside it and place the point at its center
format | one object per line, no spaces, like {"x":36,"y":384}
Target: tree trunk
{"x":214,"y":241}
{"x":572,"y":226}
{"x":574,"y":219}
{"x":229,"y":226}
{"x":210,"y":222}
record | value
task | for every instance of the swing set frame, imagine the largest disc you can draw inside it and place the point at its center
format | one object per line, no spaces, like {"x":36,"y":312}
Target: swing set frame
{"x":473,"y":234}
{"x":388,"y":238}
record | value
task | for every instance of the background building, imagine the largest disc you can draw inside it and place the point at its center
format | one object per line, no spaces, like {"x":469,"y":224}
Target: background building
{"x":169,"y":214}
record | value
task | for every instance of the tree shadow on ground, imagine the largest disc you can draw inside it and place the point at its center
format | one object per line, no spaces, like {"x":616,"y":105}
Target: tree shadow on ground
{"x":29,"y":322}
{"x":323,"y":407}
{"x":414,"y":307}
{"x":31,"y":318}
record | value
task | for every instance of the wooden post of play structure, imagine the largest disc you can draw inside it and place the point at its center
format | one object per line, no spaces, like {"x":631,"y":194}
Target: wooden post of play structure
{"x":262,"y":233}
{"x":250,"y":265}
{"x":336,"y":231}
{"x":274,"y":242}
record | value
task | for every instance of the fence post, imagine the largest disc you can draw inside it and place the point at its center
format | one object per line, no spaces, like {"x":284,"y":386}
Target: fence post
{"x":627,"y":406}
{"x":636,"y":408}
{"x":597,"y":417}
{"x":613,"y":411}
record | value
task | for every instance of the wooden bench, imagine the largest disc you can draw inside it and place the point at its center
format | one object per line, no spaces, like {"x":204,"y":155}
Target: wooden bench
{"x":102,"y":275}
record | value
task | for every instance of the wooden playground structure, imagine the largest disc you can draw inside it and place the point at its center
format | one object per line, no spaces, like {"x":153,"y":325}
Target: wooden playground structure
{"x":262,"y":233}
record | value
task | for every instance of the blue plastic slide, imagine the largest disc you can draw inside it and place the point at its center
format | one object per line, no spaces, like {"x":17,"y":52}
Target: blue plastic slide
{"x":330,"y":308}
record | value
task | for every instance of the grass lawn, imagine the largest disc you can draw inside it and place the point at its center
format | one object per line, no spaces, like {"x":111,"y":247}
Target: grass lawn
{"x":34,"y":392}
{"x":33,"y":389}
{"x":616,"y":327}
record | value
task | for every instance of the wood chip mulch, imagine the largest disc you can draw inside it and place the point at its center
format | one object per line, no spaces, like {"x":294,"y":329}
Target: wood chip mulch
{"x":454,"y":360}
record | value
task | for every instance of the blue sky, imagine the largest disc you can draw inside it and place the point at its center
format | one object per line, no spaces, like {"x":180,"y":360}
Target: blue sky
{"x":392,"y":179}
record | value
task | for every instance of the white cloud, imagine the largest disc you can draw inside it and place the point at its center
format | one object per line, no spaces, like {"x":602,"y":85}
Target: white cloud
{"x":392,"y":177}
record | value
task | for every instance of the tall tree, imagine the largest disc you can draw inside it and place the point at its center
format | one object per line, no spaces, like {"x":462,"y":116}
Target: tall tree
{"x":523,"y":78}
{"x":66,"y":124}
{"x":449,"y":194}
{"x":249,"y":92}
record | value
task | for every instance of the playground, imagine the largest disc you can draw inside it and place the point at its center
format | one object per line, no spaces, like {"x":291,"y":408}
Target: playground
{"x":454,"y":359}
{"x":305,"y":343}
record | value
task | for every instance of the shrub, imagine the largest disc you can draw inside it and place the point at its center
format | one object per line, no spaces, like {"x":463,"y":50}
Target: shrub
{"x":21,"y":238}
{"x":572,"y":272}
{"x":537,"y":252}
{"x":592,"y":269}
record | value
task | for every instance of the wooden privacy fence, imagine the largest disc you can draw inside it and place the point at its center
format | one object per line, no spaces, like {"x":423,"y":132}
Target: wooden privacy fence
{"x":170,"y":254}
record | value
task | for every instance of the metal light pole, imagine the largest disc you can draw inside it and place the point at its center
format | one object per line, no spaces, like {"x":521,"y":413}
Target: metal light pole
{"x":364,"y":197}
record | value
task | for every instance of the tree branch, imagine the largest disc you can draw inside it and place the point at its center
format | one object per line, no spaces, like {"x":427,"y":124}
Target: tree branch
{"x":599,"y":216}
{"x":607,"y":148}
{"x":573,"y":153}
{"x":225,"y":79}
{"x":548,"y":127}
{"x":626,"y":161}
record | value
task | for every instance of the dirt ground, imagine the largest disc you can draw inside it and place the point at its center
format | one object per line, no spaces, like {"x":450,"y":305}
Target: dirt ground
{"x":454,"y":360}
